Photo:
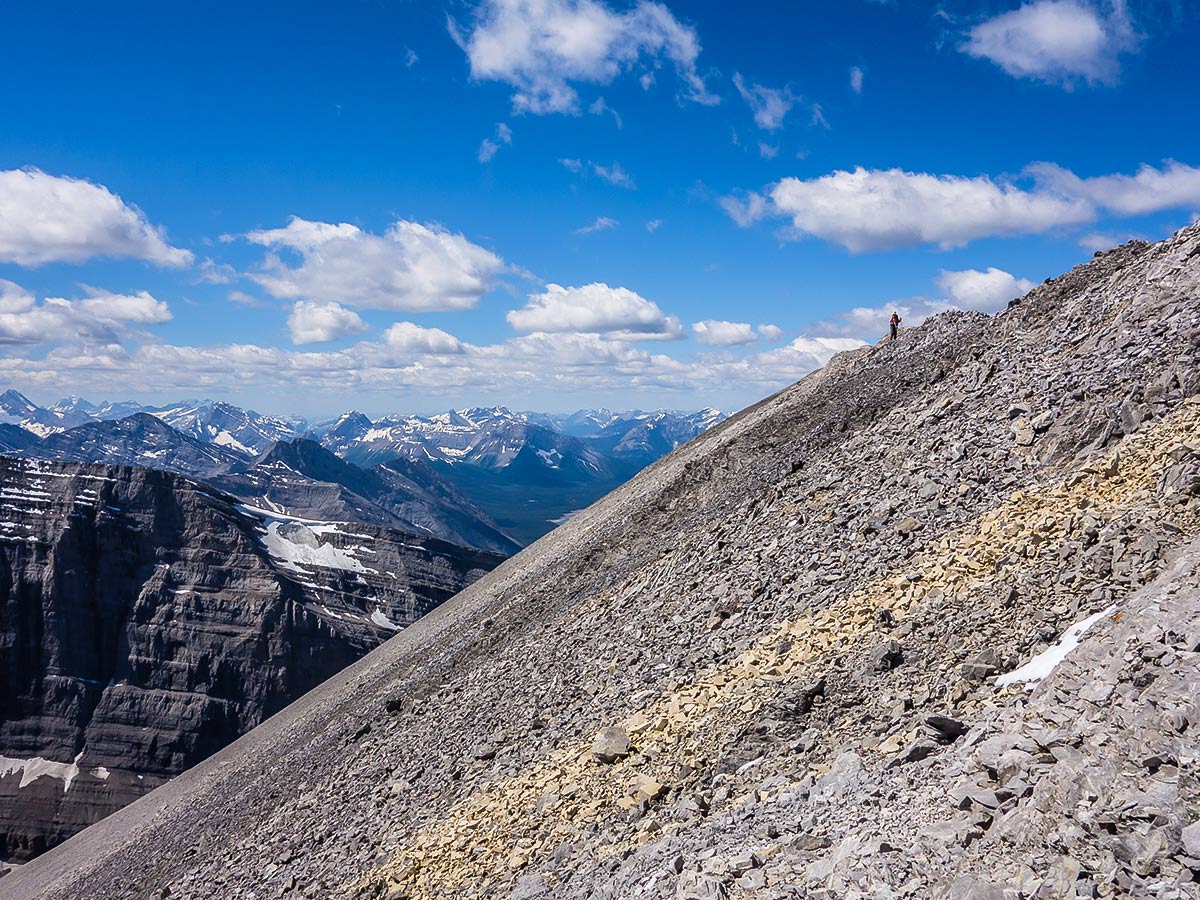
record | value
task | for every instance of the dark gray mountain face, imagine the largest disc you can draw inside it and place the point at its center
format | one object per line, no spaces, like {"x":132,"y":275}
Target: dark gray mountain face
{"x":305,"y":479}
{"x":14,"y":437}
{"x":138,"y":440}
{"x":146,"y":620}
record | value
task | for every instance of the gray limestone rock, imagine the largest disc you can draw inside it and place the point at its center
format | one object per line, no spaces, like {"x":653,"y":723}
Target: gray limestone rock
{"x":610,"y":745}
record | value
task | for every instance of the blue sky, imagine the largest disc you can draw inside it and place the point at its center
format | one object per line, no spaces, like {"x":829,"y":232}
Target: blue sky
{"x":554,"y":204}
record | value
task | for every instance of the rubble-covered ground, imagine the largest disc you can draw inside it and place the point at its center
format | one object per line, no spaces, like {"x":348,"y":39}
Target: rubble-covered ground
{"x":769,"y":666}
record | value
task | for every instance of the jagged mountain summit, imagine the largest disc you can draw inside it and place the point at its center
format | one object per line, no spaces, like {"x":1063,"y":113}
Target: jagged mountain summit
{"x":922,"y":625}
{"x":527,"y":475}
{"x":147,"y":620}
{"x":17,"y":409}
{"x":229,"y":426}
{"x":493,"y":437}
{"x":296,"y":477}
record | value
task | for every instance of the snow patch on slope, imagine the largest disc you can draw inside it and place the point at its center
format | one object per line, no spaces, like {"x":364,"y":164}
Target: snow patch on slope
{"x":1043,"y":664}
{"x":294,"y":542}
{"x":383,"y":621}
{"x":33,"y":769}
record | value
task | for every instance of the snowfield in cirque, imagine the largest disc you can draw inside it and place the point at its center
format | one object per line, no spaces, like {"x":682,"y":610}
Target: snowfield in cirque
{"x":294,"y":542}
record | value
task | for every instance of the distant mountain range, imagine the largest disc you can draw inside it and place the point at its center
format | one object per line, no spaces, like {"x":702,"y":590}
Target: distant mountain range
{"x":211,"y":421}
{"x":482,"y":477}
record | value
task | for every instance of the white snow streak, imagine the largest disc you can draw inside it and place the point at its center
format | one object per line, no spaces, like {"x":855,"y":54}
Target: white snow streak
{"x":383,"y":621}
{"x":1043,"y":664}
{"x":33,"y":769}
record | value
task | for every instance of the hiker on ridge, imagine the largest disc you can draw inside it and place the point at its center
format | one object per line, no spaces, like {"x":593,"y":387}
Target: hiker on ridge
{"x":894,"y":325}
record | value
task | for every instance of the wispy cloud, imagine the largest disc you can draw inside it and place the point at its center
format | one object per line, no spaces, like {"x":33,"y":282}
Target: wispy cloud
{"x":489,"y":147}
{"x":615,"y":175}
{"x":770,"y":106}
{"x":600,"y":106}
{"x":602,"y":223}
{"x":856,"y":79}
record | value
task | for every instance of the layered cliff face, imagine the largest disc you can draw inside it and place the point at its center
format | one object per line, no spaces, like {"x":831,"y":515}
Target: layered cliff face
{"x":827,"y":650}
{"x":147,"y":620}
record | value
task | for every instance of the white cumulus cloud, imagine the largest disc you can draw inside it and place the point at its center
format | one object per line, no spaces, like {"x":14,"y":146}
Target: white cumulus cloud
{"x":101,"y":317}
{"x":1149,"y":190}
{"x":14,"y":298}
{"x":315,"y":322}
{"x":986,"y":291}
{"x":48,"y":218}
{"x":878,"y":210}
{"x":140,"y":308}
{"x":411,"y":266}
{"x":413,"y":362}
{"x":789,"y":363}
{"x":543,"y":47}
{"x":717,"y":333}
{"x":615,"y":312}
{"x":1056,"y":41}
{"x":409,"y":338}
